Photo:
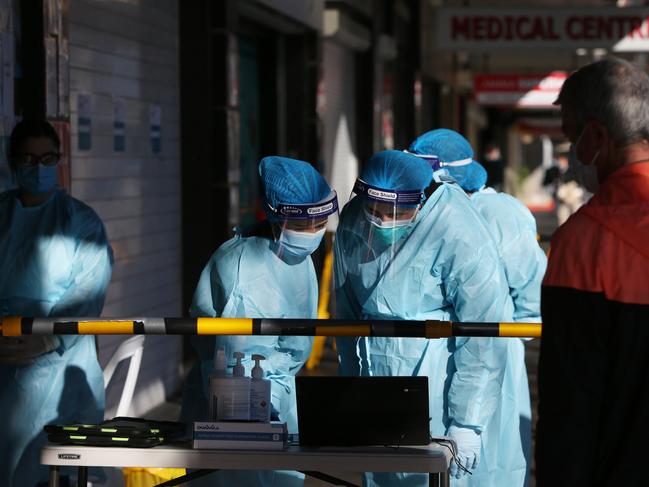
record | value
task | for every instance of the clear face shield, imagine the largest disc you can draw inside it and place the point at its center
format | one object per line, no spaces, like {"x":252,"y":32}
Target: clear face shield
{"x":301,"y":227}
{"x":389,"y":214}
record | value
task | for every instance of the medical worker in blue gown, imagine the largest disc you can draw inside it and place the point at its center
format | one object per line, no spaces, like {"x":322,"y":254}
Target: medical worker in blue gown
{"x":409,"y":247}
{"x":54,"y":261}
{"x":513,"y":228}
{"x":266,"y":272}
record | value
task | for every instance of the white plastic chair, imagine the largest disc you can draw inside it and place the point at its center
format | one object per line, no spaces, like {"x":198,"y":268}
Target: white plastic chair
{"x":133,"y":349}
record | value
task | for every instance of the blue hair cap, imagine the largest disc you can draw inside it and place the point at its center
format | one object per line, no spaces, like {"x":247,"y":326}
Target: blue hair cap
{"x":291,"y":181}
{"x":397,"y":170}
{"x":454,"y":154}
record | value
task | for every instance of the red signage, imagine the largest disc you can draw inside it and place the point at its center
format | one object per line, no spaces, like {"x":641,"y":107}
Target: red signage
{"x":618,"y":29}
{"x":515,"y":90}
{"x":546,"y":27}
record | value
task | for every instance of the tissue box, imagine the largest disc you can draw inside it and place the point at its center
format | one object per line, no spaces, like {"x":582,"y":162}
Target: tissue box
{"x":231,"y":435}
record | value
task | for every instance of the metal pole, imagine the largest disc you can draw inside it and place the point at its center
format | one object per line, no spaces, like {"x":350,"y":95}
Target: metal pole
{"x":54,"y":476}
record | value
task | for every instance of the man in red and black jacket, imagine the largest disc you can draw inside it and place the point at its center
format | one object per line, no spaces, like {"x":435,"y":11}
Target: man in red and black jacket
{"x":593,"y":425}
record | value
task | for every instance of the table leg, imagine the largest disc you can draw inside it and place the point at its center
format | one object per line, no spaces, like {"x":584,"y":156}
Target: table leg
{"x":82,"y":477}
{"x":439,"y":480}
{"x":54,"y":476}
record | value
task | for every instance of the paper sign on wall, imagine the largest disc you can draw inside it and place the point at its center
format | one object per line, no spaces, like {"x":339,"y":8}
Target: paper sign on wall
{"x":84,"y":121}
{"x":155,"y":122}
{"x":119,"y":125}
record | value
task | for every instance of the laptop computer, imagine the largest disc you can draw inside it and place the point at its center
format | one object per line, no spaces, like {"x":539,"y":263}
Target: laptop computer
{"x":362,"y":411}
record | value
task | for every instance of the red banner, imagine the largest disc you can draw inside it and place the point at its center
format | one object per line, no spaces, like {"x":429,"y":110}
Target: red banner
{"x":515,"y":90}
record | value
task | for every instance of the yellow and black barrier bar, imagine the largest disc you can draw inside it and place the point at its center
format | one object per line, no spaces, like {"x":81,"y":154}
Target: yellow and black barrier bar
{"x":15,"y":326}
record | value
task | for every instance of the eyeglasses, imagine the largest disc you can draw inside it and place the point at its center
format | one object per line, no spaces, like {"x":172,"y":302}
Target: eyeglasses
{"x":306,"y":225}
{"x":47,"y":159}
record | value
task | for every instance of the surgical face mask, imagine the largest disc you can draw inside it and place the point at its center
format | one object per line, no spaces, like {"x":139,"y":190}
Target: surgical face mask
{"x":300,"y":244}
{"x":36,"y":179}
{"x":377,"y":222}
{"x":584,"y":174}
{"x":388,"y":232}
{"x":387,"y":236}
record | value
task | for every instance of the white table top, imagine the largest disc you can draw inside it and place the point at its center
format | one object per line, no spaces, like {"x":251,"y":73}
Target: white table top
{"x":433,"y":458}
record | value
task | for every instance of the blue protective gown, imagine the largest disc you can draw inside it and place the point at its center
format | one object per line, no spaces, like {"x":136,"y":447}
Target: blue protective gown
{"x":245,"y":278}
{"x":513,"y":228}
{"x":54,"y":261}
{"x":446,"y":267}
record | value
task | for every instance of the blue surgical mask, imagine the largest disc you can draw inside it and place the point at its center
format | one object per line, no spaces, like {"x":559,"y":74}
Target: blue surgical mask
{"x":36,"y":179}
{"x":300,"y":244}
{"x":389,"y":235}
{"x":388,"y":232}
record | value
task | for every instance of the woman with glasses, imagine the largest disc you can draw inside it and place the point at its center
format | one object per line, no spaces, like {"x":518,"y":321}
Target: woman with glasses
{"x":54,"y":261}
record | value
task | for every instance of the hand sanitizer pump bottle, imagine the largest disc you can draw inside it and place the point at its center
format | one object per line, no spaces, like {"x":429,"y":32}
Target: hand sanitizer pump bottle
{"x":260,"y":405}
{"x":238,"y":408}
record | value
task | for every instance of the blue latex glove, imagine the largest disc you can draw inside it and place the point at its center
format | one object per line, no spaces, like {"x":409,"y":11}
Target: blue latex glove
{"x":468,"y":449}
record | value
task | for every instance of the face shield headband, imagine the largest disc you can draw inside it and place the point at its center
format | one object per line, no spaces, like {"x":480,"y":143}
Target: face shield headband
{"x":322,"y":209}
{"x":398,"y":198}
{"x":436,"y":164}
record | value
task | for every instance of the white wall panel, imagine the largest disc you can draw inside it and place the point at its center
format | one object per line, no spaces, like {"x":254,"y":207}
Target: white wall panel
{"x":156,"y":242}
{"x":139,"y":284}
{"x":341,"y":161}
{"x":149,"y":301}
{"x":116,"y":85}
{"x":134,"y":266}
{"x":129,"y":51}
{"x":89,"y":13}
{"x":142,"y":226}
{"x":133,"y":187}
{"x":134,"y":207}
{"x":159,"y":13}
{"x":124,"y":166}
{"x":89,"y":59}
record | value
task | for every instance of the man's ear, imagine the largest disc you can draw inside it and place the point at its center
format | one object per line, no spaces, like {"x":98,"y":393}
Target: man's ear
{"x":598,"y":134}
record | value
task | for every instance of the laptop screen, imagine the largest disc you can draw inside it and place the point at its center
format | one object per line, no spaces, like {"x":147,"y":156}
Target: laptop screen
{"x":360,"y":411}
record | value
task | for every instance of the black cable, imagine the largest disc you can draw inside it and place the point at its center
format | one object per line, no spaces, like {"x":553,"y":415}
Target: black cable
{"x":403,"y":435}
{"x":442,"y":442}
{"x":451,"y":448}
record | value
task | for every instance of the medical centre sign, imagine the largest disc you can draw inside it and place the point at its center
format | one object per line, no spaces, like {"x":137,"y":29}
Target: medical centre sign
{"x":483,"y":29}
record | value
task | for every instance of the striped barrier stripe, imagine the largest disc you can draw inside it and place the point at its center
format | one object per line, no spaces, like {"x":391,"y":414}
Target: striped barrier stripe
{"x":15,"y":326}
